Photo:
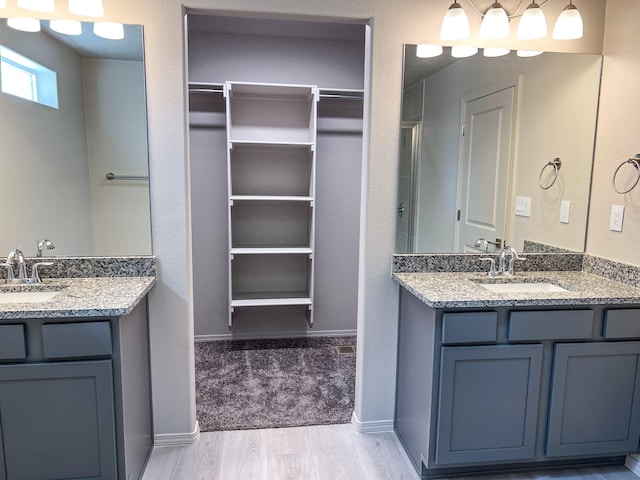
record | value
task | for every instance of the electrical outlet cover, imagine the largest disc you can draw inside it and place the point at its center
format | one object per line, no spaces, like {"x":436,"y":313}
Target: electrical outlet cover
{"x":617,"y":217}
{"x":565,"y":210}
{"x":523,"y":206}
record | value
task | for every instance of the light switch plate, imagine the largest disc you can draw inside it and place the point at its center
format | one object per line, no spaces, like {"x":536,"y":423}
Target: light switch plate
{"x":523,"y":206}
{"x":617,"y":216}
{"x":565,"y":210}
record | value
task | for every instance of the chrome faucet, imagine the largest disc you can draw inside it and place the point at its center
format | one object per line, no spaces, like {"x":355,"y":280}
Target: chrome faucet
{"x":42,"y":244}
{"x":505,"y":267}
{"x":16,"y":256}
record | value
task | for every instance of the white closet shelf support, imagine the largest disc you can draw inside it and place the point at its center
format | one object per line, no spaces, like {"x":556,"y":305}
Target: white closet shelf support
{"x":269,"y":144}
{"x":270,"y":198}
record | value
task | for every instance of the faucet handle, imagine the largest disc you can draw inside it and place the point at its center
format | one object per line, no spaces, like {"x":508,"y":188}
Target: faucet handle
{"x":492,"y":267}
{"x":9,"y":267}
{"x":35,"y":278}
{"x":513,"y":259}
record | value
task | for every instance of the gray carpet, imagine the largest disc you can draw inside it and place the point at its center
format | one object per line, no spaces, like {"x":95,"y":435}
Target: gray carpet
{"x":273,"y":383}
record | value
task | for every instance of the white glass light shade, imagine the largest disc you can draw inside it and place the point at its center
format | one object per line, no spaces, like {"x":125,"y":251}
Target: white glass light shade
{"x":25,"y":24}
{"x":569,"y":24}
{"x":3,"y":3}
{"x":38,"y":5}
{"x":532,"y":24}
{"x":529,"y":53}
{"x":495,"y":52}
{"x":428,"y":50}
{"x":455,"y":24}
{"x":462,"y":51}
{"x":66,"y":27}
{"x":495,"y":23}
{"x":87,"y":8}
{"x":109,"y":30}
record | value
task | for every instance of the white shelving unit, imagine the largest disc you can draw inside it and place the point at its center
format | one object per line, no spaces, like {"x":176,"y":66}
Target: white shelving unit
{"x":271,"y":135}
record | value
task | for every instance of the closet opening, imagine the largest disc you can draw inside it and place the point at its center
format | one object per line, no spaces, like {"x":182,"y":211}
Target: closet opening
{"x":276,"y":124}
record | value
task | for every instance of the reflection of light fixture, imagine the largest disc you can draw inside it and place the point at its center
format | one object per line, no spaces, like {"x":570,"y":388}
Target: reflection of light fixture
{"x":495,"y":52}
{"x":455,"y":25}
{"x":88,"y":8}
{"x":463,"y":51}
{"x":532,"y":24}
{"x":109,"y":30}
{"x":38,"y":5}
{"x":569,"y":24}
{"x":428,"y":50}
{"x":66,"y":27}
{"x":529,"y":53}
{"x":25,"y":24}
{"x":495,"y":23}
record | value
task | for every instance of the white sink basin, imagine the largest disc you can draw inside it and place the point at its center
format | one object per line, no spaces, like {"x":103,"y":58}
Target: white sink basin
{"x":527,"y":287}
{"x":26,"y":297}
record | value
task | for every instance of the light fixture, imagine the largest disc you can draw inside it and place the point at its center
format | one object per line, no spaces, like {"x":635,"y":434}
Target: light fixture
{"x":87,"y":8}
{"x":569,"y":24}
{"x":38,"y":5}
{"x":495,"y":52}
{"x":455,"y":24}
{"x":66,"y":27}
{"x":528,"y":53}
{"x":24,"y":24}
{"x":532,"y":24}
{"x":109,"y":30}
{"x":428,"y":50}
{"x":463,"y":51}
{"x":3,"y":3}
{"x":495,"y":23}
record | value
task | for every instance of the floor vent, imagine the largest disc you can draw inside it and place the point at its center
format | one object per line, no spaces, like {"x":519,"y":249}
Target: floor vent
{"x":346,"y":350}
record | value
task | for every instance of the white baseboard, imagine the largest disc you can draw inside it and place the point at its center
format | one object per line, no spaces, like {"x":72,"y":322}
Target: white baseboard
{"x":177,"y":439}
{"x":632,"y":462}
{"x":378,"y":426}
{"x":266,"y":336}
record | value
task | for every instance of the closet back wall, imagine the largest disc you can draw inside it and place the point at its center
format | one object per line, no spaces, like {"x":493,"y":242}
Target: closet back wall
{"x":330,"y":56}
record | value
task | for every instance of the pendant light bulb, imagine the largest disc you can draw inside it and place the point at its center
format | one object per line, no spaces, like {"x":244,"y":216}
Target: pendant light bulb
{"x":24,"y":24}
{"x":569,"y":25}
{"x":495,"y":23}
{"x":455,"y":24}
{"x":37,"y":5}
{"x":532,"y":23}
{"x":109,"y":30}
{"x":66,"y":27}
{"x":428,"y":50}
{"x":87,"y":8}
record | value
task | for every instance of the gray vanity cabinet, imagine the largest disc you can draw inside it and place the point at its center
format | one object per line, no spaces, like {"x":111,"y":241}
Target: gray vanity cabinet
{"x":595,"y":399}
{"x":57,"y":421}
{"x":488,"y":403}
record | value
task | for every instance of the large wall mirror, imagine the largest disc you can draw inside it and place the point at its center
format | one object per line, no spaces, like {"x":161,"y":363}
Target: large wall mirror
{"x":496,"y":148}
{"x":55,"y":157}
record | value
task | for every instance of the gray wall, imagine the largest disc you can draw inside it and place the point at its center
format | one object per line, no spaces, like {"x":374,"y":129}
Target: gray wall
{"x":339,"y":63}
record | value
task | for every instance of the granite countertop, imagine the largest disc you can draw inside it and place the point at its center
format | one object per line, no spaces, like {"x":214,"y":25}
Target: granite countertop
{"x":464,"y":290}
{"x":79,"y":297}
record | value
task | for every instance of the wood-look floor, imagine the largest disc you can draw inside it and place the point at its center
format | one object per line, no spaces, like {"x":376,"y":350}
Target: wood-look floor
{"x":327,"y":452}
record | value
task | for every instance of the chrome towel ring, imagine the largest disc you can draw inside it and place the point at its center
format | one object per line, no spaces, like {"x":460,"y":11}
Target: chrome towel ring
{"x":635,"y":161}
{"x":556,"y":163}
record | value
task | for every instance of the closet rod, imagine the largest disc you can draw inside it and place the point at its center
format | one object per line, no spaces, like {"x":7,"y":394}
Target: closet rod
{"x":113,"y":176}
{"x":341,"y":96}
{"x":205,"y":90}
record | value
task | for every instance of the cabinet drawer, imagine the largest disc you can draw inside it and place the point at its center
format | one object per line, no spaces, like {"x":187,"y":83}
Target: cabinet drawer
{"x":12,"y":343}
{"x":623,"y":323}
{"x":72,"y":340}
{"x":550,"y":325}
{"x":472,"y":327}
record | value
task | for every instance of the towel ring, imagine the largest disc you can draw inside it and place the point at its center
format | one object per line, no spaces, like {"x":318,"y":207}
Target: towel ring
{"x":635,"y":161}
{"x":556,"y":163}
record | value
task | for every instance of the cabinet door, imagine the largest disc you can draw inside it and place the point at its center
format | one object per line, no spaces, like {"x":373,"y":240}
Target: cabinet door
{"x":595,"y":399}
{"x":57,"y":421}
{"x":488,"y":403}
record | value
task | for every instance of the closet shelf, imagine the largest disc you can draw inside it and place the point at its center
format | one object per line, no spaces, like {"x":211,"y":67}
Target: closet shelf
{"x":270,"y":198}
{"x":271,"y":251}
{"x":271,"y":302}
{"x":269,"y":144}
